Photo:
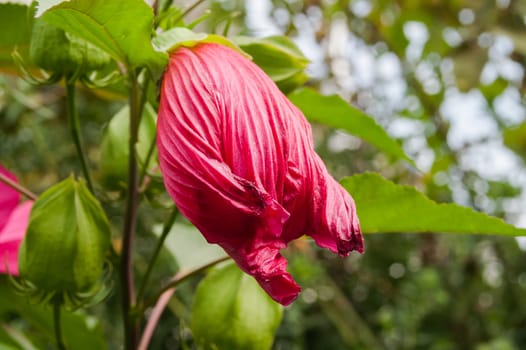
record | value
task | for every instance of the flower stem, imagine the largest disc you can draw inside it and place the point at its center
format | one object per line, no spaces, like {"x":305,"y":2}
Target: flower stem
{"x":74,"y":125}
{"x":17,"y":187}
{"x":162,"y":299}
{"x":166,"y":230}
{"x":182,"y":276}
{"x":146,"y":164}
{"x":57,"y":304}
{"x":131,"y":326}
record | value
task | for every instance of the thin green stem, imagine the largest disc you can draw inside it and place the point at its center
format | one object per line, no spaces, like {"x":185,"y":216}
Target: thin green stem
{"x":146,"y":164}
{"x":57,"y":304}
{"x":75,"y":130}
{"x":17,"y":187}
{"x":229,"y":20}
{"x":166,"y":230}
{"x":131,"y":325}
{"x":152,"y":144}
{"x":188,"y":10}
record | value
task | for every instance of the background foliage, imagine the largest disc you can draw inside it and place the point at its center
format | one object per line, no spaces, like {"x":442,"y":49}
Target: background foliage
{"x":445,"y":78}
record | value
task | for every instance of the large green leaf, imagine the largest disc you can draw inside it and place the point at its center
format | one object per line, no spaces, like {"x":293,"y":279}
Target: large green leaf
{"x":384,"y":206}
{"x":335,"y":112}
{"x":231,"y":311}
{"x":120,"y":27}
{"x":15,"y":32}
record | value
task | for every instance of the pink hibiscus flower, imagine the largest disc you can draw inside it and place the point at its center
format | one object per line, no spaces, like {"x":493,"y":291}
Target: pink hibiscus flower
{"x":238,"y":160}
{"x":14,"y":218}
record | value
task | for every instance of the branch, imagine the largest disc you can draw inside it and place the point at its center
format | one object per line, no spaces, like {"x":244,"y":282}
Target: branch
{"x":17,"y":187}
{"x":163,"y":297}
{"x":131,"y":326}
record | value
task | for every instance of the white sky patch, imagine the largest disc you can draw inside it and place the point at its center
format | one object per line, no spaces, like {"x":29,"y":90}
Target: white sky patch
{"x":509,"y":107}
{"x":363,"y":62}
{"x":44,"y":5}
{"x":258,"y":19}
{"x":493,"y":161}
{"x":468,"y":117}
{"x":404,"y":127}
{"x":361,"y":8}
{"x":417,"y":34}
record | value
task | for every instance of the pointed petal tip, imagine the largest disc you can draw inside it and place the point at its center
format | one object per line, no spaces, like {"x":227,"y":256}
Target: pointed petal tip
{"x":282,"y":288}
{"x":355,"y":243}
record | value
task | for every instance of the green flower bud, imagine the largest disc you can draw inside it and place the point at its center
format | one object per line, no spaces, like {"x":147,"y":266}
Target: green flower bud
{"x":231,"y":311}
{"x":65,"y":246}
{"x":114,"y":147}
{"x":55,"y":50}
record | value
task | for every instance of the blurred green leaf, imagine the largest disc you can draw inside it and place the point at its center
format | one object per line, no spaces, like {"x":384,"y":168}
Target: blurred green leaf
{"x":493,"y":90}
{"x":384,"y":206}
{"x":469,"y":63}
{"x":231,"y":311}
{"x":81,"y":332}
{"x":122,"y":28}
{"x":10,"y":339}
{"x":189,"y":247}
{"x":333,"y":111}
{"x":515,"y":139}
{"x":114,"y":146}
{"x":15,"y":32}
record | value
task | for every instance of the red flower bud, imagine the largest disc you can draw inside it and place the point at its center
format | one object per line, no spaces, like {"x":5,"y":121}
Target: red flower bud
{"x":238,"y":160}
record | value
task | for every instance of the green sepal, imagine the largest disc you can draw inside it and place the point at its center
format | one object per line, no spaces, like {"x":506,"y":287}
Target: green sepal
{"x":231,"y":311}
{"x":66,"y":242}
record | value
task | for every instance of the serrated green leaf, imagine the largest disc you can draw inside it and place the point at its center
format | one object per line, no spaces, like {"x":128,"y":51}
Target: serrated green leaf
{"x":189,"y":248}
{"x":15,"y":33}
{"x":231,"y":311}
{"x":333,"y":111}
{"x":122,"y":28}
{"x":385,"y":207}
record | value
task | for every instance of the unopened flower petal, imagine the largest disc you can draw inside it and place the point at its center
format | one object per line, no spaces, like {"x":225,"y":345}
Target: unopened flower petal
{"x":9,"y":198}
{"x":11,"y":237}
{"x":237,"y":158}
{"x":14,"y":218}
